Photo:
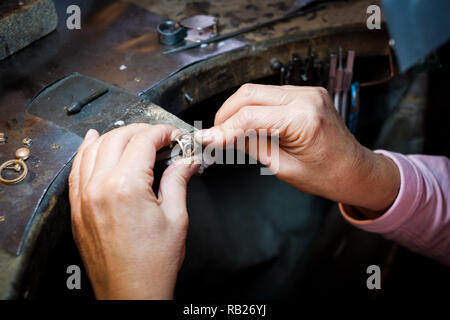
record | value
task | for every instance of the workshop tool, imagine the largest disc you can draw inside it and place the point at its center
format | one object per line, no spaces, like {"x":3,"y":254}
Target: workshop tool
{"x":296,"y":13}
{"x":338,"y":85}
{"x":171,"y":33}
{"x":77,"y":106}
{"x":354,"y":108}
{"x":307,"y":76}
{"x":200,"y":27}
{"x":346,"y":83}
{"x":296,"y":69}
{"x":332,"y":74}
{"x":276,"y":65}
{"x":308,"y":72}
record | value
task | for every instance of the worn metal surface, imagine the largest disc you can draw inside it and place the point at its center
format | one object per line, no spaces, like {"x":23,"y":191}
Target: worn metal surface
{"x":340,"y":16}
{"x":52,"y":102}
{"x":51,"y":150}
{"x":101,"y":114}
{"x":114,"y":36}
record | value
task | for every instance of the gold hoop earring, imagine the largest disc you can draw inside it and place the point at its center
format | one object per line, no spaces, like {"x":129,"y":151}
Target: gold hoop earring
{"x":17,"y":165}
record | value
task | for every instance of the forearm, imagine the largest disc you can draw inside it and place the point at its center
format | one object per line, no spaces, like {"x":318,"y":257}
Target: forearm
{"x":376,"y":185}
{"x":365,"y":180}
{"x":419,"y":217}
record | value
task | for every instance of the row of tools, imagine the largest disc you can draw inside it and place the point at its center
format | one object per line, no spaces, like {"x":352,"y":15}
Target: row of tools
{"x":332,"y":75}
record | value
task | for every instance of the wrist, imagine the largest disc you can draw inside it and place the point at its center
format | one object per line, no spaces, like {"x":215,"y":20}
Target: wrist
{"x":376,"y":184}
{"x":144,"y":287}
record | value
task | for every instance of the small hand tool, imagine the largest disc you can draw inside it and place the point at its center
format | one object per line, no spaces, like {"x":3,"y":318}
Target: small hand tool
{"x":338,"y":85}
{"x":332,"y":74}
{"x":77,"y":106}
{"x":346,"y":83}
{"x":354,"y":109}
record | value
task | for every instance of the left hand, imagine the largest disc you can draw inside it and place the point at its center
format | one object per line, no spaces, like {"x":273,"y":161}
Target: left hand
{"x":131,"y":241}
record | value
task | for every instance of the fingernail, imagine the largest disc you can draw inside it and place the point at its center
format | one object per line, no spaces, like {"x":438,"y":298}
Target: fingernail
{"x":89,"y":134}
{"x":203,"y":136}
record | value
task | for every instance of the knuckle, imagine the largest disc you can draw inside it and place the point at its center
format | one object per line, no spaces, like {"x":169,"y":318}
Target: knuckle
{"x":247,"y":90}
{"x":316,"y":123}
{"x":320,"y":96}
{"x":138,"y":137}
{"x":244,"y":117}
{"x":92,"y":195}
{"x":120,"y":188}
{"x":72,"y":180}
{"x":322,"y":91}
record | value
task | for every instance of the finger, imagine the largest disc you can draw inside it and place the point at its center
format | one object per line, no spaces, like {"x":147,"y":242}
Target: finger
{"x":140,"y":153}
{"x":172,"y":189}
{"x":247,"y":121}
{"x":74,"y":178}
{"x":256,"y":94}
{"x":113,"y":144}
{"x":87,"y":163}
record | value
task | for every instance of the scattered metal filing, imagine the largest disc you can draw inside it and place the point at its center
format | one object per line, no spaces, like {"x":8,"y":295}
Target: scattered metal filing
{"x":3,"y":138}
{"x":27,"y":141}
{"x":77,"y":106}
{"x":17,"y":165}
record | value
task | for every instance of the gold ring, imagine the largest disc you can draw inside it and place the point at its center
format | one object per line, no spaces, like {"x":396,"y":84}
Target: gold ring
{"x":5,"y":165}
{"x":187,"y":145}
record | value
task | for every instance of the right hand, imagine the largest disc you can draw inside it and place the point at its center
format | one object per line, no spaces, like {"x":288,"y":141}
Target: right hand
{"x":317,"y":153}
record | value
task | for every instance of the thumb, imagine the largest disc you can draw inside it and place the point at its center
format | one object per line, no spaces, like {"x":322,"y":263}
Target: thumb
{"x":172,"y":188}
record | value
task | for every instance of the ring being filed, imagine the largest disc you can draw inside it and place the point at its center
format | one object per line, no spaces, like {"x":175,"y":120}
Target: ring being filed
{"x":6,"y":164}
{"x":187,"y":144}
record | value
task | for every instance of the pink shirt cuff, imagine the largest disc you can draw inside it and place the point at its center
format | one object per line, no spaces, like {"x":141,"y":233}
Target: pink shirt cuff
{"x":404,"y":205}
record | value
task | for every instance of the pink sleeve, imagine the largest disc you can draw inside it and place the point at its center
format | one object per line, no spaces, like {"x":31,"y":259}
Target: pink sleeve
{"x":419,"y":219}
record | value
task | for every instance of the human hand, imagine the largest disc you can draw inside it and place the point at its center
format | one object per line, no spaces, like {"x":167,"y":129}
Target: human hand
{"x":132,"y":243}
{"x":317,"y":154}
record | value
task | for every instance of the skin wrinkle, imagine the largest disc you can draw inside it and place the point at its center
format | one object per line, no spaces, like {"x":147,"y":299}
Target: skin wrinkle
{"x":133,"y":242}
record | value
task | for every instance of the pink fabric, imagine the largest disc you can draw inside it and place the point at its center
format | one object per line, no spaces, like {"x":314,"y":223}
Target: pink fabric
{"x":419,"y":219}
